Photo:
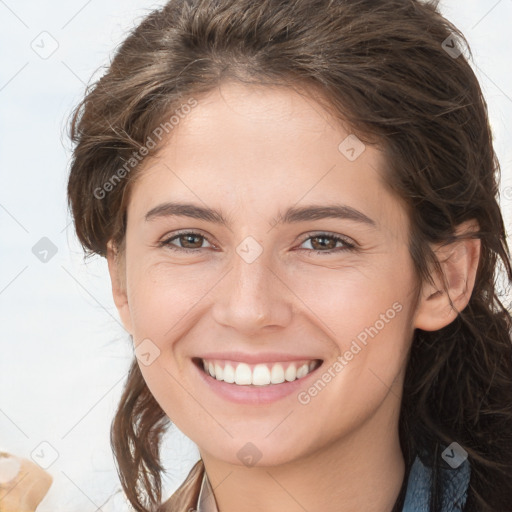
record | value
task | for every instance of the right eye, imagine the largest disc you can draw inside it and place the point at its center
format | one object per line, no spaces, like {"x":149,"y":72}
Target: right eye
{"x":185,"y":238}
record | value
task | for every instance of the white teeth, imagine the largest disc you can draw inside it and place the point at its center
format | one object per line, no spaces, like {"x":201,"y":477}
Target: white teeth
{"x":260,"y":374}
{"x":243,"y":374}
{"x":218,"y":371}
{"x":290,"y":373}
{"x":302,"y":371}
{"x":277,"y":374}
{"x":229,"y":374}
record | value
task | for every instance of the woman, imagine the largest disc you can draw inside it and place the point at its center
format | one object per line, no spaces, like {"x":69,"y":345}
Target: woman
{"x":298,"y":205}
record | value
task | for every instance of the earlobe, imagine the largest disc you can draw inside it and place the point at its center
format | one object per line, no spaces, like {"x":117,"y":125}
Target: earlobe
{"x":441,"y":302}
{"x":116,"y":269}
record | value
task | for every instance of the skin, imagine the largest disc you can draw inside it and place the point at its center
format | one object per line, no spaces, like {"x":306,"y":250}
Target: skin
{"x":252,"y":152}
{"x":23,"y":484}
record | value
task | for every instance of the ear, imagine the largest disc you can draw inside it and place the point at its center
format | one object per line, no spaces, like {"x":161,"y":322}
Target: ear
{"x":459,"y":264}
{"x":116,"y":269}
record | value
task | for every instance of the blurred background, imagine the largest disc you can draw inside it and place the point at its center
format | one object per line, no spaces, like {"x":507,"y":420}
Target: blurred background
{"x":63,"y":353}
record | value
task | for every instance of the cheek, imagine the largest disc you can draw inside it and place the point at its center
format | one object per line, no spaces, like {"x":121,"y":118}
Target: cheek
{"x":347,"y":300}
{"x":367,"y":314}
{"x":161,"y":297}
{"x":365,"y":373}
{"x":171,"y":392}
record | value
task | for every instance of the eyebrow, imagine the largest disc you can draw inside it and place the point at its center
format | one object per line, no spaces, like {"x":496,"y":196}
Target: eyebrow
{"x":292,"y":214}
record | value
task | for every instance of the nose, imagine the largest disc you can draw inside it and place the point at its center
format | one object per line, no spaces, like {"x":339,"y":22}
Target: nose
{"x":252,"y":296}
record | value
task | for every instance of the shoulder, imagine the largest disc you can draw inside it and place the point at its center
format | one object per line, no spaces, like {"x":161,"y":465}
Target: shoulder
{"x":184,"y":499}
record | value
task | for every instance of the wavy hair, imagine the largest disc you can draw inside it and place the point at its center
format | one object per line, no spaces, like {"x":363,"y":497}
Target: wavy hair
{"x":398,"y":73}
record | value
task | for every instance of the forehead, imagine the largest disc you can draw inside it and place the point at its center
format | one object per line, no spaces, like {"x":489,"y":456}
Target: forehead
{"x":264,"y":148}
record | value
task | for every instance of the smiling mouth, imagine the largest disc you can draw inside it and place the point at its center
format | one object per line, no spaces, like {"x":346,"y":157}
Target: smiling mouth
{"x":256,"y":375}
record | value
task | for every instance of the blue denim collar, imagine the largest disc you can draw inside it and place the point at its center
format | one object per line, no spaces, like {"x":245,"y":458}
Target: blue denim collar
{"x":455,"y":483}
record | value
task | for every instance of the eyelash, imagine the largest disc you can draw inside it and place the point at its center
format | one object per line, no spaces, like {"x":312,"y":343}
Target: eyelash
{"x":348,"y":246}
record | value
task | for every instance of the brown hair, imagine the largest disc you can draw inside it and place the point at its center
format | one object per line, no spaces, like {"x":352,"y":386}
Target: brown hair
{"x":391,"y":70}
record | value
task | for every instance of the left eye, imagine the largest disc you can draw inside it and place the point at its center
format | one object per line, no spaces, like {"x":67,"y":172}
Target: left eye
{"x":191,"y":241}
{"x":329,"y":242}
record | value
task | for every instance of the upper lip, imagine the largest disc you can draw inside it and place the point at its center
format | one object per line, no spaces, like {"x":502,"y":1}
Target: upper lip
{"x":261,"y":357}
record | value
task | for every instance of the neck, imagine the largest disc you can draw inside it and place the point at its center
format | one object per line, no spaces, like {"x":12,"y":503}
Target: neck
{"x":360,"y":471}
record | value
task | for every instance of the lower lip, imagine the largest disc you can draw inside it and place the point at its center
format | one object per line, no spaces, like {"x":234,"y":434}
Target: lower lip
{"x":254,"y":395}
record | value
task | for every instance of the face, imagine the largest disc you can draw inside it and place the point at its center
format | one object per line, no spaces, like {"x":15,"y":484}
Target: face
{"x":291,"y":250}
